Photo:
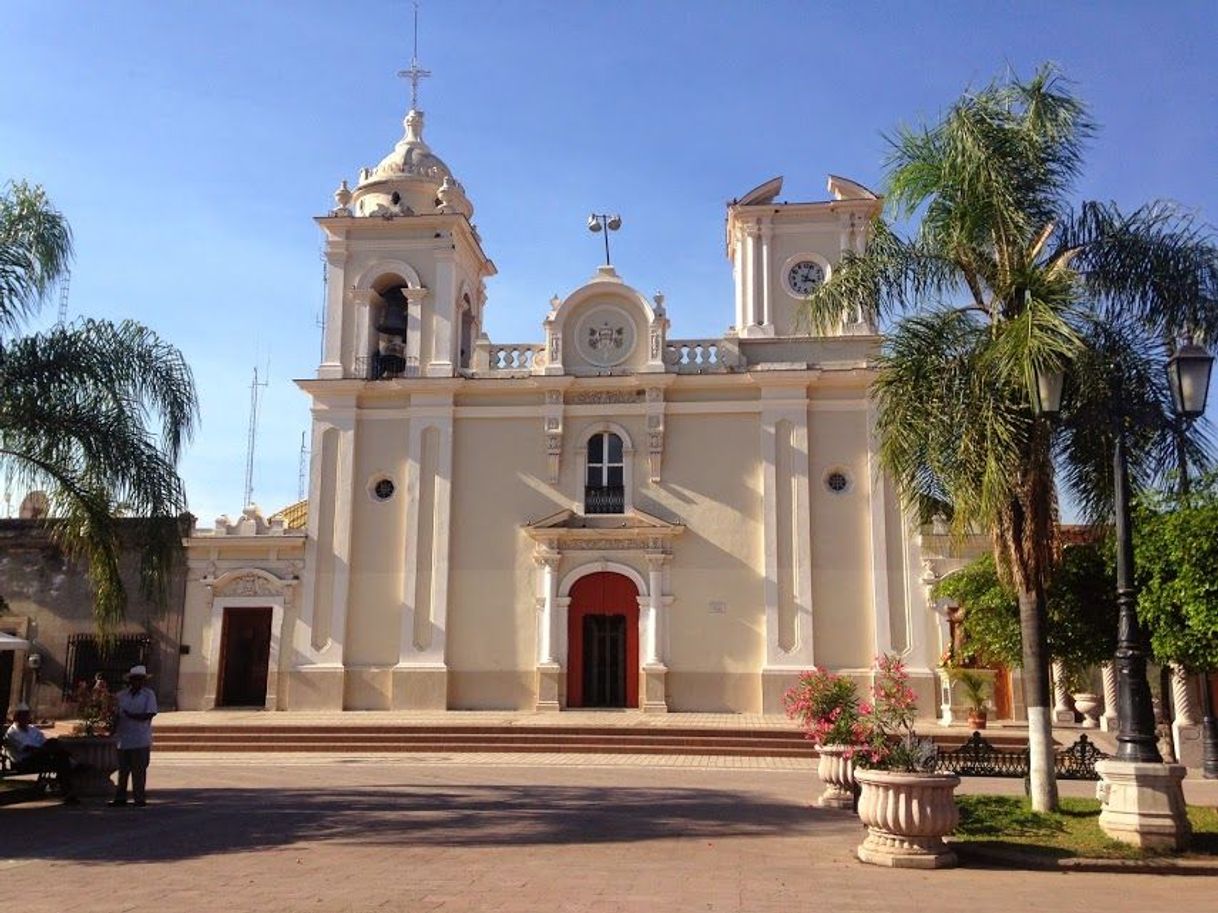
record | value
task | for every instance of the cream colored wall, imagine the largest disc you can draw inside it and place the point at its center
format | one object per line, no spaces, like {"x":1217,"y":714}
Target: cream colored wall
{"x":378,"y":534}
{"x":498,"y":472}
{"x":712,"y":483}
{"x":820,"y":238}
{"x":841,"y":541}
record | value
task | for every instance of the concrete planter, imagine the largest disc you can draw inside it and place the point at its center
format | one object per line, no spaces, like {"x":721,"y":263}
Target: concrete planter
{"x":907,"y":816}
{"x":1088,"y":704}
{"x":97,"y":758}
{"x":836,"y":771}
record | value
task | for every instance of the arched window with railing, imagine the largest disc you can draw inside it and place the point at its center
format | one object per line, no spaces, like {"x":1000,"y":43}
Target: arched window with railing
{"x":605,"y":478}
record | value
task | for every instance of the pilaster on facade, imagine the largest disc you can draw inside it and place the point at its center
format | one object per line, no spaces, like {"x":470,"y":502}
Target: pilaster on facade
{"x":880,"y":604}
{"x":552,"y":422}
{"x":442,"y":358}
{"x":428,"y":533}
{"x":331,"y":367}
{"x":655,"y":431}
{"x":787,"y":534}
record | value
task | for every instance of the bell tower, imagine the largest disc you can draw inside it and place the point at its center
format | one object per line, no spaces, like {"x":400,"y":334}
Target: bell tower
{"x":406,"y":269}
{"x":781,"y":251}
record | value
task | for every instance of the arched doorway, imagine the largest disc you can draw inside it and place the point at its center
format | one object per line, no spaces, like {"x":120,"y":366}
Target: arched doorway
{"x":603,"y":642}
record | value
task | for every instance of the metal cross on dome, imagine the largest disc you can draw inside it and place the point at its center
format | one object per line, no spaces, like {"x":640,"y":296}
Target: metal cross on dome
{"x":414,"y":72}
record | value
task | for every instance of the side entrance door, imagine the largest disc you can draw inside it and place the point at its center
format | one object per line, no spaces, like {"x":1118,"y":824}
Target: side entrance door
{"x":245,"y":652}
{"x":603,"y":642}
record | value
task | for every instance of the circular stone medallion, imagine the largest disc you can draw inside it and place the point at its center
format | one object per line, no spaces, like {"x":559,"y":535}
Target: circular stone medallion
{"x":605,"y":336}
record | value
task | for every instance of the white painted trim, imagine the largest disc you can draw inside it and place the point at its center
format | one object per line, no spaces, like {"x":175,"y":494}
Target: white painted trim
{"x":378,"y":268}
{"x":597,"y":566}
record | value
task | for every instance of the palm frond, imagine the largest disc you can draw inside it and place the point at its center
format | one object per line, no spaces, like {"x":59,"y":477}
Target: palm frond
{"x":35,"y":251}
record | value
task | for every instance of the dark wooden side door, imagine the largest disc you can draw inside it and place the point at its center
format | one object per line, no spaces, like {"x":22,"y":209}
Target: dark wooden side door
{"x":603,"y":642}
{"x":244,"y":655}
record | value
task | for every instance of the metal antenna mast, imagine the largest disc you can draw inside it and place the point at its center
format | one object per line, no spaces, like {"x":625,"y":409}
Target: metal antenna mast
{"x":255,"y":384}
{"x":414,"y":72}
{"x":63,"y":298}
{"x":303,"y":471}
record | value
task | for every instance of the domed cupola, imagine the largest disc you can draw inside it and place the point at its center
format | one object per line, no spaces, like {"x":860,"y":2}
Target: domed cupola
{"x":410,"y":180}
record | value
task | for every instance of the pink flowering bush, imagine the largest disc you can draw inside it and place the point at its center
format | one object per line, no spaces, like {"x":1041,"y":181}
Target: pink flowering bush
{"x":827,"y":707}
{"x":889,"y":719}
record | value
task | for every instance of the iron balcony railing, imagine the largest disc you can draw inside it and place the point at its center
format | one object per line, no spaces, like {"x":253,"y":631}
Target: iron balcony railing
{"x":607,"y":500}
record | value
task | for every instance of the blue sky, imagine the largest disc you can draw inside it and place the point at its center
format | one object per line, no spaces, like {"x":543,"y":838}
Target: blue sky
{"x":190,"y":144}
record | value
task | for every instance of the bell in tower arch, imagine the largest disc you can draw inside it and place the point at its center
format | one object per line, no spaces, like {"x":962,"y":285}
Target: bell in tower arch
{"x":393,"y":318}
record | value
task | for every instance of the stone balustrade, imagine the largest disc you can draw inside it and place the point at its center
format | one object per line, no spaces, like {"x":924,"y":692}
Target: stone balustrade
{"x":694,"y":356}
{"x":514,"y":356}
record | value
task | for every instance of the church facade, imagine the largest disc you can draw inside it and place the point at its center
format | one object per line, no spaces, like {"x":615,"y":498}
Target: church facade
{"x":608,"y":516}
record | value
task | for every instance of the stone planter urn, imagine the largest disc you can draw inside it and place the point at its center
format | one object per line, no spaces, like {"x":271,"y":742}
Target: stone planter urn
{"x":907,"y":816}
{"x":1088,"y":704}
{"x":836,"y":771}
{"x":96,"y":757}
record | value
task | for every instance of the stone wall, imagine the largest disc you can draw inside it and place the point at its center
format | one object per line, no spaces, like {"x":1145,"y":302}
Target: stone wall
{"x":49,"y":598}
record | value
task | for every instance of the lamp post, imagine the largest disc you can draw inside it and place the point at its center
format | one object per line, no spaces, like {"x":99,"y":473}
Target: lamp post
{"x":1188,"y":374}
{"x":603,"y":222}
{"x":1135,"y":715}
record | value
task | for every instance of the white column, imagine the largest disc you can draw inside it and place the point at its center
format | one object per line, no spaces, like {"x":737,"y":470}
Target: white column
{"x":545,"y":624}
{"x":1108,"y":722}
{"x":1186,"y":727}
{"x":414,"y":328}
{"x":655,"y":603}
{"x":767,"y":311}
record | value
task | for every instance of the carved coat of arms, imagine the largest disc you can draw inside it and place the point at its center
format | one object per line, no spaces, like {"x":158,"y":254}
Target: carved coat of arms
{"x":606,"y":337}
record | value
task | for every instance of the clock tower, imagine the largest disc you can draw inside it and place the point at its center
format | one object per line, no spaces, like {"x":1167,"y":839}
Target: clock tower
{"x":782,"y":251}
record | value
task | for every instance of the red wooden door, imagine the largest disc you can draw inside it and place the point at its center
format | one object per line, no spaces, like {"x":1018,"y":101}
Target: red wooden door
{"x":608,"y":595}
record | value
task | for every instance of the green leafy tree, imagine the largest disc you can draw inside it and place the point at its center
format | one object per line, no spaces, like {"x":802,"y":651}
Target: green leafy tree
{"x":95,"y":414}
{"x":1176,"y":556}
{"x":1081,"y":620}
{"x":1005,"y":274}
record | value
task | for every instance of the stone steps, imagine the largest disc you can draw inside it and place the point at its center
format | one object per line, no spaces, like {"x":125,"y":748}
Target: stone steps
{"x":349,"y":738}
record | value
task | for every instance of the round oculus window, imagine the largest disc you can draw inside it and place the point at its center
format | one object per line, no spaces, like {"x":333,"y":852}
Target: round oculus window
{"x":837,"y":482}
{"x":383,"y":489}
{"x":804,"y":276}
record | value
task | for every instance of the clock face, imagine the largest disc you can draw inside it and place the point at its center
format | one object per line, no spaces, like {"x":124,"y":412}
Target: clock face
{"x":805,"y":276}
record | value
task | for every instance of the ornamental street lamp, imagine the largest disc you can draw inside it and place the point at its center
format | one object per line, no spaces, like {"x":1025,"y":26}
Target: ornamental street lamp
{"x":1135,"y":716}
{"x":1188,"y":375}
{"x":606,"y":223}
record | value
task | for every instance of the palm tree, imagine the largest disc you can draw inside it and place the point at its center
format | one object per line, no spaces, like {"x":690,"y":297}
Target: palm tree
{"x":95,"y":414}
{"x":1004,"y":276}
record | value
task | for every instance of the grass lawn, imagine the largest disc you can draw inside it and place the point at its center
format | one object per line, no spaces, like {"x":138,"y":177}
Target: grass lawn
{"x":1008,"y":822}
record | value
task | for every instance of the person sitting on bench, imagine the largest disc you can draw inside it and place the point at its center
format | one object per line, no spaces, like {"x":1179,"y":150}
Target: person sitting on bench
{"x":31,"y":752}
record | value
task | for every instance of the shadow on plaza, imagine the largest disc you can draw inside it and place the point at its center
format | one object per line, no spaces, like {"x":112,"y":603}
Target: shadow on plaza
{"x":191,"y":823}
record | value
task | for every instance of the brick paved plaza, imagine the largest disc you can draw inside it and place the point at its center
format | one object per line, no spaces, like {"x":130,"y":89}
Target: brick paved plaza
{"x":499,"y":834}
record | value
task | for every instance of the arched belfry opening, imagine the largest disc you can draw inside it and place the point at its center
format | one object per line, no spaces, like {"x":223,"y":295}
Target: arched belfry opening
{"x":391,"y":327}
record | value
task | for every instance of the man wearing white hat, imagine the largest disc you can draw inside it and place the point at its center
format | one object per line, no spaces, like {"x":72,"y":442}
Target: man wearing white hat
{"x":136,"y":708}
{"x":31,"y":752}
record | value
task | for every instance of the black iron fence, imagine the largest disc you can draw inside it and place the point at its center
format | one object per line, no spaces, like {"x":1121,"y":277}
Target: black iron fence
{"x":87,"y":656}
{"x":979,"y":758}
